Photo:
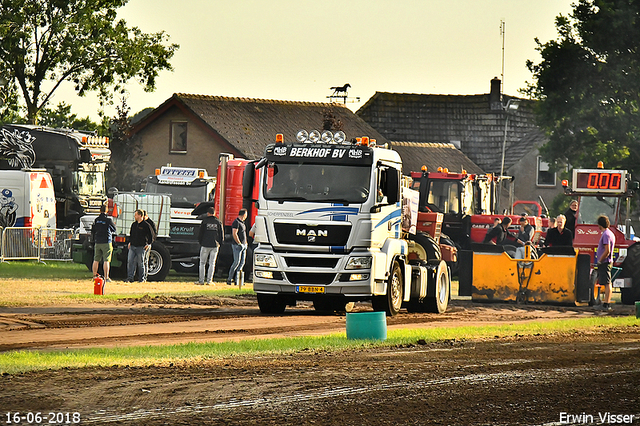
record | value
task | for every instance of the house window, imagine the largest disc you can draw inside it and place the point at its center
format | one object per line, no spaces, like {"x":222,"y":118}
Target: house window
{"x":178,"y":142}
{"x":544,"y":176}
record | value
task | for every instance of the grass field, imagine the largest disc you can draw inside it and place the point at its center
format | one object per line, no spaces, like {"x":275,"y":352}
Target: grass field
{"x":37,"y":284}
{"x":22,"y":361}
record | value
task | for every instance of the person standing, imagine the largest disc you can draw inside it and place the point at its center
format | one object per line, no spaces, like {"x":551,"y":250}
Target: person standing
{"x":140,"y":238}
{"x":604,"y":259}
{"x":210,"y":237}
{"x":571,"y":216}
{"x":239,"y":245}
{"x":147,"y":251}
{"x":102,"y":233}
{"x":560,"y":235}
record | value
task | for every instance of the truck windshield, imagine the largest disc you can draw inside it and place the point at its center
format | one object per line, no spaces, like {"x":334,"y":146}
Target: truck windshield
{"x":592,"y":207}
{"x":91,"y":183}
{"x":317,"y":182}
{"x":181,"y":195}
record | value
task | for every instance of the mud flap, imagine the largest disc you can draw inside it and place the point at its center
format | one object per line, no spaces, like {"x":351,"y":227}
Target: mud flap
{"x":583,"y":280}
{"x":465,"y":272}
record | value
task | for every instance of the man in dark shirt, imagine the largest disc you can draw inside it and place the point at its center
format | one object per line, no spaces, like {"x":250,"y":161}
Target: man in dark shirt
{"x":102,"y":234}
{"x":571,"y":216}
{"x":239,"y":245}
{"x":210,"y":237}
{"x":559,"y":236}
{"x":140,"y":237}
{"x":498,"y":232}
{"x":147,"y":250}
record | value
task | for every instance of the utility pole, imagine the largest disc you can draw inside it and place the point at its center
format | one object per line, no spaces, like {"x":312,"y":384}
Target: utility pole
{"x":503,"y":30}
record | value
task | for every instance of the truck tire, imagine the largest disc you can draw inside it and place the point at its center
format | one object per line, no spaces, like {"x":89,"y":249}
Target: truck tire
{"x":159,"y":262}
{"x":271,"y":303}
{"x":431,"y":248}
{"x":631,"y":269}
{"x":440,"y":287}
{"x":186,"y":267}
{"x":392,"y":301}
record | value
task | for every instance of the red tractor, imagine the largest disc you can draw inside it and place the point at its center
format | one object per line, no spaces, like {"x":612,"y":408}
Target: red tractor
{"x":601,"y":192}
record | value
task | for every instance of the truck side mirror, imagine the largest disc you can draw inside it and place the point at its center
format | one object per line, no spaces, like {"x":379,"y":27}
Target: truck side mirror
{"x":393,"y":186}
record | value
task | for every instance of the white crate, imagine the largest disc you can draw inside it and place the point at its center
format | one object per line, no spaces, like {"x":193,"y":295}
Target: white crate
{"x":158,"y":207}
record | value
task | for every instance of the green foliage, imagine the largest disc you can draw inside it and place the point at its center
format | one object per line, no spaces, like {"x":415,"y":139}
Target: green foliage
{"x":62,"y":117}
{"x":589,"y":85}
{"x":44,"y":43}
{"x":124,"y":171}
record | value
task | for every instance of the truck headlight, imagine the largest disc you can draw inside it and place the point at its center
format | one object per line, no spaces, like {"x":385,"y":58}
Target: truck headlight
{"x":265,"y":260}
{"x":363,"y":262}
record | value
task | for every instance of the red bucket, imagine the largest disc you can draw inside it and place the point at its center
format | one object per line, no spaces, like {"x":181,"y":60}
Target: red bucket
{"x":98,"y":285}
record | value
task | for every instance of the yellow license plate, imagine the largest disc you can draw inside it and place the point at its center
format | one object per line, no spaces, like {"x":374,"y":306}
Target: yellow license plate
{"x":309,"y":289}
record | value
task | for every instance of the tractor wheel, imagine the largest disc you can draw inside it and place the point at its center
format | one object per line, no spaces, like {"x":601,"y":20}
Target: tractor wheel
{"x":392,"y":301}
{"x":429,"y":246}
{"x":631,"y":269}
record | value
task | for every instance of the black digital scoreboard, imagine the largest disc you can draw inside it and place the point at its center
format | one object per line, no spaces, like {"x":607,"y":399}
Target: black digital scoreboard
{"x":599,"y":181}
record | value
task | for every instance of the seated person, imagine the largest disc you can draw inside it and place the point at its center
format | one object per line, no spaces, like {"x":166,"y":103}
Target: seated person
{"x":559,"y":236}
{"x":498,"y":233}
{"x":524,"y":237}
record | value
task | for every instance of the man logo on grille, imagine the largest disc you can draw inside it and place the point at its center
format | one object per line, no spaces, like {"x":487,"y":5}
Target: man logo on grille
{"x":311,"y":234}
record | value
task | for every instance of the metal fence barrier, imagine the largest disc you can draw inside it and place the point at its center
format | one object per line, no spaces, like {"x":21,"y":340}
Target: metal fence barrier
{"x":21,"y":243}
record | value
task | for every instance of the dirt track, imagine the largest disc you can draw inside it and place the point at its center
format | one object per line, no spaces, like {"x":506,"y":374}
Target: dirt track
{"x":496,"y":381}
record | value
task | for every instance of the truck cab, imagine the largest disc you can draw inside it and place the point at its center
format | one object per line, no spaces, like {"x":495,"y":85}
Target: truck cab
{"x":330,"y":227}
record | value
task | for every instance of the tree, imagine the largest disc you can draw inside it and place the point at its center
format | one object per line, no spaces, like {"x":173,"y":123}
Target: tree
{"x":44,"y":43}
{"x":62,"y":117}
{"x":588,"y":84}
{"x":126,"y":153}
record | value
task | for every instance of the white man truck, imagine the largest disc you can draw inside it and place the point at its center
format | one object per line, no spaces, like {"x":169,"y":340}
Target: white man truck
{"x":331,"y":228}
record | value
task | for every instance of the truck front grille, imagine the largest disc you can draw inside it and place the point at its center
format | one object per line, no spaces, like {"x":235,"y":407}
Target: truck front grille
{"x":311,"y":262}
{"x":310,"y":278}
{"x":314,"y":235}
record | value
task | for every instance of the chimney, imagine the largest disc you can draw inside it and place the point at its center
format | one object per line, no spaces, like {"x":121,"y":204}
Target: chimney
{"x":495,"y":96}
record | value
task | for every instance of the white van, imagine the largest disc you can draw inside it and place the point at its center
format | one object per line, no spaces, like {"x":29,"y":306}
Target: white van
{"x":27,"y":199}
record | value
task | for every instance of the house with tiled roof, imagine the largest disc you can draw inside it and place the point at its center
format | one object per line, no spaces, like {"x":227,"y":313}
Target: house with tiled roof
{"x":479,"y":125}
{"x":192,"y":130}
{"x":433,"y":155}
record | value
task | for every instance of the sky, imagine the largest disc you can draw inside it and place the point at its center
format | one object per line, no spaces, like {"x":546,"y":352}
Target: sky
{"x":297,"y":49}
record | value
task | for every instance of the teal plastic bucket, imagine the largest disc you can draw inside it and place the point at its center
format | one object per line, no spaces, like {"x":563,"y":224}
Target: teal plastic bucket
{"x":637,"y":309}
{"x":367,"y":325}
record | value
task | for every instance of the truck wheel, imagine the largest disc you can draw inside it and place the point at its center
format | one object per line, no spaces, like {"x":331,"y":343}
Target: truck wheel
{"x":392,"y":301}
{"x":431,"y":248}
{"x":159,"y":262}
{"x":440,"y":287}
{"x":271,"y":304}
{"x":186,"y":267}
{"x":631,"y":269}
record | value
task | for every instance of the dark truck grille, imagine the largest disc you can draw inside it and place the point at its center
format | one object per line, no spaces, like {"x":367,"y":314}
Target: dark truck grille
{"x":310,"y":278}
{"x":311,"y":262}
{"x":304,"y":234}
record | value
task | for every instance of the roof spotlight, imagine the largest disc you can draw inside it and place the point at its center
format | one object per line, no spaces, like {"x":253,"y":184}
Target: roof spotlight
{"x":314,"y":136}
{"x":327,"y":137}
{"x":302,"y":136}
{"x":339,"y":137}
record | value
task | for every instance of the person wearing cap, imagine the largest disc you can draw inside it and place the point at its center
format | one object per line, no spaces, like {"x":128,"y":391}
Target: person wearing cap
{"x":102,"y":233}
{"x":498,"y":233}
